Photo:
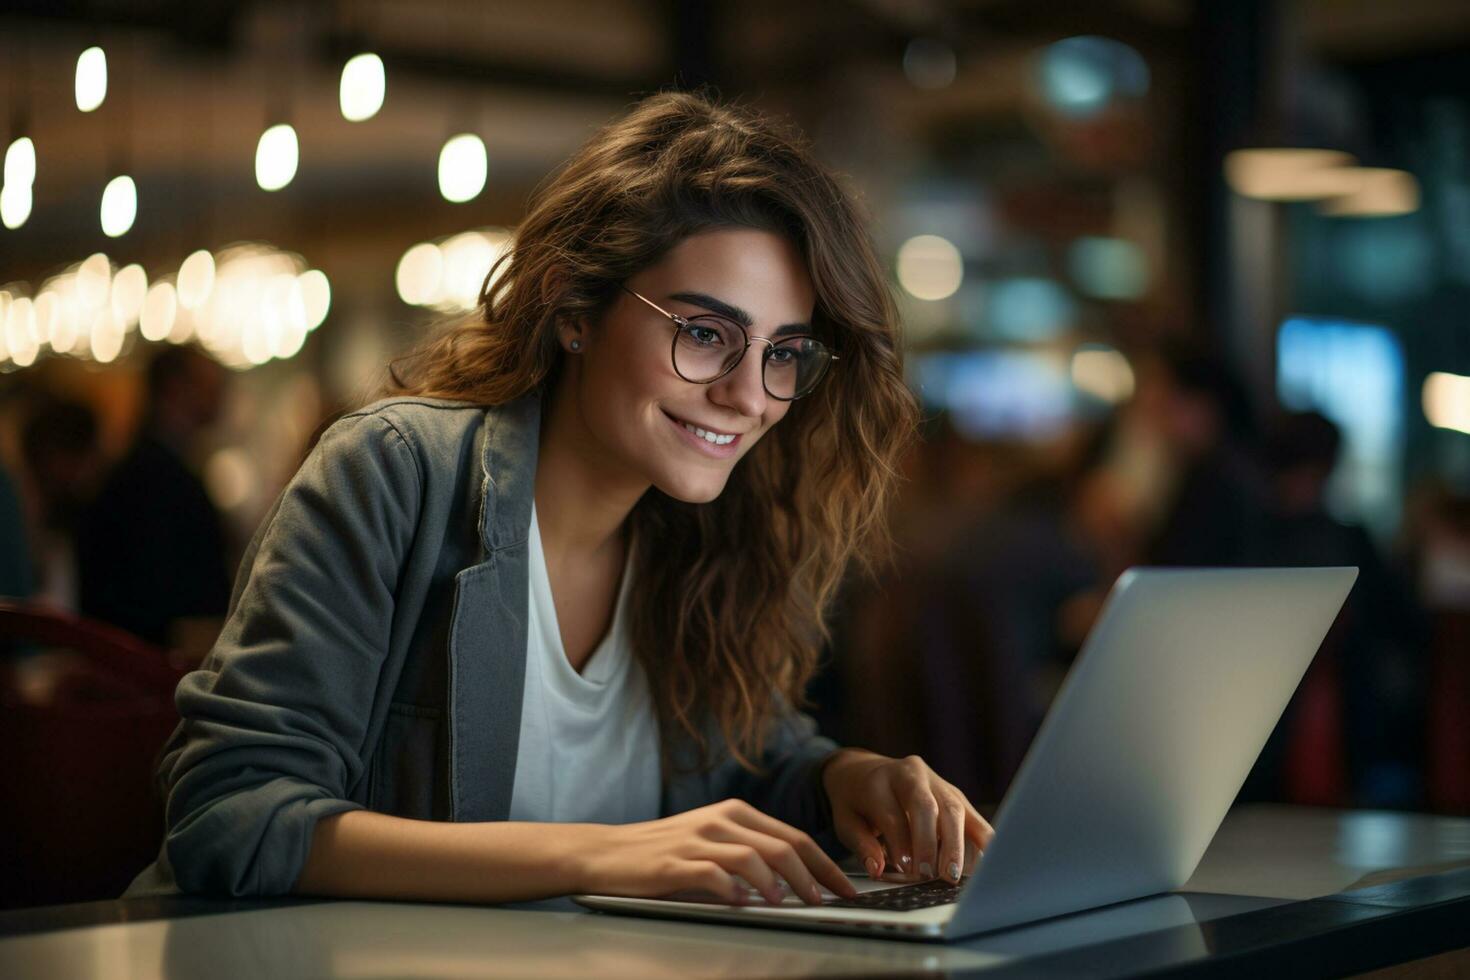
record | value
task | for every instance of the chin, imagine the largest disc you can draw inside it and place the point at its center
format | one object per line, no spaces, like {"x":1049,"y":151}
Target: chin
{"x":692,"y":491}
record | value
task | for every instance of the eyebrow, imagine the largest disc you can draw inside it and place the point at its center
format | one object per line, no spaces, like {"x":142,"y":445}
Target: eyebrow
{"x":737,"y":314}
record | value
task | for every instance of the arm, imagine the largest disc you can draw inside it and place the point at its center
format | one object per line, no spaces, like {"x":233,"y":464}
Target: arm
{"x":274,"y":724}
{"x":362,"y":854}
{"x":372,"y":855}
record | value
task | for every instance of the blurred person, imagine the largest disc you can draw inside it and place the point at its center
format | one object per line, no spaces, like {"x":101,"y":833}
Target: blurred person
{"x":63,"y":456}
{"x":1438,"y":535}
{"x":1373,"y":658}
{"x":995,"y":631}
{"x":538,"y":622}
{"x":17,"y":572}
{"x":151,"y":551}
{"x":1212,"y":491}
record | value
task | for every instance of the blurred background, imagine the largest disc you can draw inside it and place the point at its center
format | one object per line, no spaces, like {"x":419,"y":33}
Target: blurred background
{"x":1183,"y":283}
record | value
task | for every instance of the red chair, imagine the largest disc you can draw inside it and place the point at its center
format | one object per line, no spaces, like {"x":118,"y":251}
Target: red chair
{"x":1449,"y":703}
{"x":81,"y":725}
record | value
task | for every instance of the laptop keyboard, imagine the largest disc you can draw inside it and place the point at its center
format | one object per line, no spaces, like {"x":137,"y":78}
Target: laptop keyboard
{"x":905,"y":898}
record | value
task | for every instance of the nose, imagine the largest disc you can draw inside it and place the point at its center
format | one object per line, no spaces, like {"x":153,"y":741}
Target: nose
{"x":743,"y":390}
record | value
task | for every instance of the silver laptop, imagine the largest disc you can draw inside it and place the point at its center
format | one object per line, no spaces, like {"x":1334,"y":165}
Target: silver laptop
{"x":1179,"y":684}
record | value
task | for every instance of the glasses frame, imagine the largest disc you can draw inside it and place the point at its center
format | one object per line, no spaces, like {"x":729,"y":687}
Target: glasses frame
{"x":680,"y":322}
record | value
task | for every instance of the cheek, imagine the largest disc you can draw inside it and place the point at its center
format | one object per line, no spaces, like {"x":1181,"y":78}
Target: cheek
{"x":620,"y":399}
{"x":775,"y":412}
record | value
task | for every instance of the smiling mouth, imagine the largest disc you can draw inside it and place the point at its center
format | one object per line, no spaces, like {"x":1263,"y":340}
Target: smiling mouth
{"x":709,"y":436}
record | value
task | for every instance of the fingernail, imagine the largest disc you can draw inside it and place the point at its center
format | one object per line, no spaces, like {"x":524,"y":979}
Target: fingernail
{"x":816,"y":895}
{"x":925,"y":870}
{"x":873,"y":868}
{"x":905,"y":860}
{"x":954,"y":871}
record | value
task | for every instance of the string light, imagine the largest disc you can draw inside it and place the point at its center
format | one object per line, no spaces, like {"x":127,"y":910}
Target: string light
{"x":119,"y":206}
{"x":462,"y":168}
{"x":20,"y":162}
{"x":91,"y":79}
{"x":15,"y":205}
{"x":276,"y":157}
{"x":363,"y":85}
{"x":449,"y":275}
{"x":247,"y":304}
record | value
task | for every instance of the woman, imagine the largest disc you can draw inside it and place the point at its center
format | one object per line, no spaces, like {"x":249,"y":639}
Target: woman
{"x":536,"y":623}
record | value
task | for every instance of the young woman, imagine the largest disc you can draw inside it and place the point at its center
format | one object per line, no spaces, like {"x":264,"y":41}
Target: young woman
{"x":537,"y":623}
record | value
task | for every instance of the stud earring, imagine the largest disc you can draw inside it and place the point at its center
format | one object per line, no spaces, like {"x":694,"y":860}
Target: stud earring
{"x":576,"y":345}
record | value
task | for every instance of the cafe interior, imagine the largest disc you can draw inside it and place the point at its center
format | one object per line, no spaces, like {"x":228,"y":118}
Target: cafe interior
{"x":1181,"y":283}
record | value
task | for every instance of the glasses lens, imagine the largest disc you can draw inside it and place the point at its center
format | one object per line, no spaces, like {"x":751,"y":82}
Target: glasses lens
{"x":794,"y":367}
{"x":706,"y":347}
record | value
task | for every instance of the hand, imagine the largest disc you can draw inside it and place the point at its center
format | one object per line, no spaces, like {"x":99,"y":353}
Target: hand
{"x":927,"y":826}
{"x":702,"y":850}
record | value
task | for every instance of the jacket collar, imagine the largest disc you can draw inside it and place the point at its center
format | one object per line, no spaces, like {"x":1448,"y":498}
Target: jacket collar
{"x":508,"y":472}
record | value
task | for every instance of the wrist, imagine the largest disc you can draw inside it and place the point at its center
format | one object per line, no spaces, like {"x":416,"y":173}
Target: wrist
{"x":841,"y":762}
{"x":577,"y":851}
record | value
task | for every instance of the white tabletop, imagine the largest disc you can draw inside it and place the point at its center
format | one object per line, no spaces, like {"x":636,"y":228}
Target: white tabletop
{"x":1262,"y":857}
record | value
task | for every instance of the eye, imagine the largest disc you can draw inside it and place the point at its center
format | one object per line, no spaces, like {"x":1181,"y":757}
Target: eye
{"x":707,"y":331}
{"x":782,"y":355}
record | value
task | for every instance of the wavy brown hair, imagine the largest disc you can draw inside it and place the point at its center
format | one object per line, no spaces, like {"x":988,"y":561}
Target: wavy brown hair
{"x":728,"y":612}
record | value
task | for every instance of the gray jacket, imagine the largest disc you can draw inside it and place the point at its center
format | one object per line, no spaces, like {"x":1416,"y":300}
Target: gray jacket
{"x":374,"y":658}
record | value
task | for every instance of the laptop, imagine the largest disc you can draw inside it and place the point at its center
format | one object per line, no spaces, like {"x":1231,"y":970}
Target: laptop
{"x":1178,"y":685}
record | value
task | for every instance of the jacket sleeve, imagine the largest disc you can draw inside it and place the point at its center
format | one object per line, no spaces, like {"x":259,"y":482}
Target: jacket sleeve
{"x":790,"y":788}
{"x":273,"y":724}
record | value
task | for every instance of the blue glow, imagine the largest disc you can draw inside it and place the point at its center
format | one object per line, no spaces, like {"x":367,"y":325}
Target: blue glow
{"x":1108,"y":268}
{"x":1030,"y":309}
{"x":996,"y":393}
{"x":1353,"y":373}
{"x":1386,"y":260}
{"x":1080,"y":75}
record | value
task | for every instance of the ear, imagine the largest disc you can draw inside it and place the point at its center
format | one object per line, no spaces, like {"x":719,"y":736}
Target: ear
{"x":571,"y":335}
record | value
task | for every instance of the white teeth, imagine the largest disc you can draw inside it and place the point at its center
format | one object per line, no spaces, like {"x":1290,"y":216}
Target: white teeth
{"x":718,"y":440}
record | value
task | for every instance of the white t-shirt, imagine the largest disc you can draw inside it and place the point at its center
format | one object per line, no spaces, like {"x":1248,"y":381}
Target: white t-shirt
{"x":589,"y":741}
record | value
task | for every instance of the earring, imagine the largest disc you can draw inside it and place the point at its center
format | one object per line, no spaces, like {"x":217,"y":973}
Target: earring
{"x":576,"y":345}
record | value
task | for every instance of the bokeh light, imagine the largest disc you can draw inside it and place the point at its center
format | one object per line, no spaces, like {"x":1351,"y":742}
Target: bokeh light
{"x":15,"y":205}
{"x":119,"y":206}
{"x":1289,"y":174}
{"x":1029,"y":309}
{"x":276,"y":156}
{"x":449,"y":275}
{"x":463,"y":167}
{"x":930,"y":267}
{"x":1081,"y":76}
{"x":1103,"y":373}
{"x":20,"y":162}
{"x":1446,"y":399}
{"x":91,"y":83}
{"x":364,"y":84}
{"x":1108,"y":268}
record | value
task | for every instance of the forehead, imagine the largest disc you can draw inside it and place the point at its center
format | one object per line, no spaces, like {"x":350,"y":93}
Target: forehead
{"x":759,"y":271}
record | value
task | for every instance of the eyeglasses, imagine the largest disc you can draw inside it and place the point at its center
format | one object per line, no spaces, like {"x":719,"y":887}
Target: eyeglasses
{"x":708,"y":347}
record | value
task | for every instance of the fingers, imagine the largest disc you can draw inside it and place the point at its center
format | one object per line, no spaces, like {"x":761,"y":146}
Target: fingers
{"x":915,"y":788}
{"x":977,"y":828}
{"x":749,"y":863}
{"x":796,"y":851}
{"x":951,"y":838}
{"x":707,"y":877}
{"x":940,"y":821}
{"x":862,"y":840}
{"x":888,"y":816}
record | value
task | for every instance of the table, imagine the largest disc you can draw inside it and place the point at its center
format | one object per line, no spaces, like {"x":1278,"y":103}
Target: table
{"x":1284,"y":889}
